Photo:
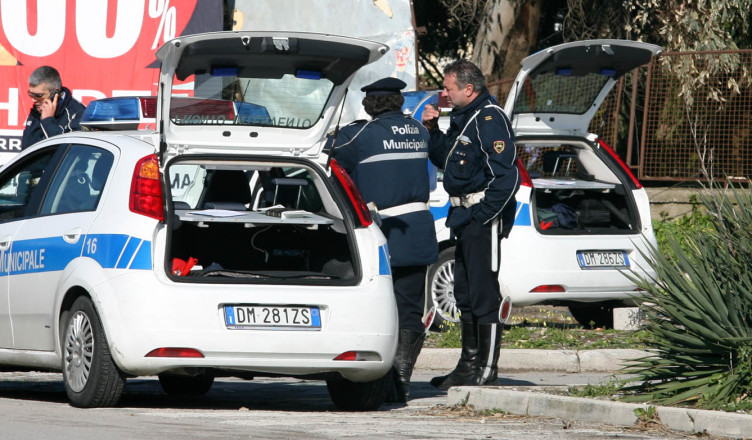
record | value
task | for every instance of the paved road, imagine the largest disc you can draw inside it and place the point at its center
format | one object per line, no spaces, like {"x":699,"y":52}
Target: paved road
{"x":33,"y":406}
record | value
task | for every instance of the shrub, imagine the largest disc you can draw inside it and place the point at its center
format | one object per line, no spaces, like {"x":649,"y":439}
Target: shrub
{"x":699,"y":312}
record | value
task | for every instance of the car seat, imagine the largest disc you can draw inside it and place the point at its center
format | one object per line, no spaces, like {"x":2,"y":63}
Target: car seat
{"x":226,"y":189}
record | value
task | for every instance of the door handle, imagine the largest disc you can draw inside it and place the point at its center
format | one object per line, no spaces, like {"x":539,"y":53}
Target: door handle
{"x":5,"y":242}
{"x":72,"y":236}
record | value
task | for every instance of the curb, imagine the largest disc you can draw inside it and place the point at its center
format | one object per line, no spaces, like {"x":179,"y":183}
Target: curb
{"x":539,"y":404}
{"x":517,"y":360}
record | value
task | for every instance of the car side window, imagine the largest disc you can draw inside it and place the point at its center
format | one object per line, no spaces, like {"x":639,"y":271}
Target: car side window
{"x":78,"y":182}
{"x":19,"y":183}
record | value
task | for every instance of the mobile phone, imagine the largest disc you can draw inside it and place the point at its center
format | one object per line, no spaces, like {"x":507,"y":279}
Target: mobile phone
{"x":53,"y":93}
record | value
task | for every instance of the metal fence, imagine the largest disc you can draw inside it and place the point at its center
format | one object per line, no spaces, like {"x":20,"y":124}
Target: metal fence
{"x":664,"y":137}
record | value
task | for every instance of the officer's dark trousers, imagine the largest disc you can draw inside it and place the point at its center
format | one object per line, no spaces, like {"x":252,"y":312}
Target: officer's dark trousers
{"x":409,"y":291}
{"x":476,"y":286}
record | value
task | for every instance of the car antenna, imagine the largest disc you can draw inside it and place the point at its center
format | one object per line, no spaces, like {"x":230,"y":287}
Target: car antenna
{"x":336,"y":130}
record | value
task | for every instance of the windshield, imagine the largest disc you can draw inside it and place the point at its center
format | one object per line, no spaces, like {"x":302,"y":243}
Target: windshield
{"x":559,"y":93}
{"x":289,"y":101}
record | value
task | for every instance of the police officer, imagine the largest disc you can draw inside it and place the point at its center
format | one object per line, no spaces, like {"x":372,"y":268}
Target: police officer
{"x":54,"y":111}
{"x":479,"y":158}
{"x":387,"y":158}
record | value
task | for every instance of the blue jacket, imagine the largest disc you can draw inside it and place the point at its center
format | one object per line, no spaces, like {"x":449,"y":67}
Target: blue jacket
{"x":478,"y":154}
{"x":387,"y":160}
{"x":67,"y":118}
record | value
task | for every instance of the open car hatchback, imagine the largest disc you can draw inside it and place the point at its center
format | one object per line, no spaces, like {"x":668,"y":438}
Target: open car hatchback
{"x":216,"y":244}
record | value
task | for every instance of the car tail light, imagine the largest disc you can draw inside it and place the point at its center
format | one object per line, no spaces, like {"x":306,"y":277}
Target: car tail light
{"x":358,"y":356}
{"x":149,"y":107}
{"x":175,"y":352}
{"x":364,"y":215}
{"x":621,"y":163}
{"x":505,"y":310}
{"x":146,"y":189}
{"x":548,"y":288}
{"x":524,"y":176}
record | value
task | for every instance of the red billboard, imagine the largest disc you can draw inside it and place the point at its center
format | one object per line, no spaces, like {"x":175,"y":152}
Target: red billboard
{"x":101,"y":48}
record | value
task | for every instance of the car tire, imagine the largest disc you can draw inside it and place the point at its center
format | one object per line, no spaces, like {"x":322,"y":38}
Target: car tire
{"x":176,"y":385}
{"x":440,"y":290}
{"x":596,"y":315}
{"x":90,"y":376}
{"x":359,"y":396}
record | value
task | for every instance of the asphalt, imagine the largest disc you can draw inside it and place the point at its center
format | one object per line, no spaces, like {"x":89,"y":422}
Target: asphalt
{"x":535,"y":401}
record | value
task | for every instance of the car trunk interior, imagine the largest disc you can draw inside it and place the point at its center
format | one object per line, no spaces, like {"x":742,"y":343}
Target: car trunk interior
{"x":267,"y":222}
{"x":575,"y":192}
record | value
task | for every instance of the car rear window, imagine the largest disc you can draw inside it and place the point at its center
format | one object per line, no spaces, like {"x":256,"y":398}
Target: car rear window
{"x":557,"y":92}
{"x":288,"y":101}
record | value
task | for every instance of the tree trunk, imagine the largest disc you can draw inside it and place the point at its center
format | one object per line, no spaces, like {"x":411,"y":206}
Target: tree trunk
{"x":507,"y":34}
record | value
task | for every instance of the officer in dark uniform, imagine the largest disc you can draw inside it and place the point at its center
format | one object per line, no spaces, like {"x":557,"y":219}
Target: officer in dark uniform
{"x":387,"y":159}
{"x":479,"y":158}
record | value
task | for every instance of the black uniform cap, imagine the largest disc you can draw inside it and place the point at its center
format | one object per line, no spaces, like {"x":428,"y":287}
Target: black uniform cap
{"x":384,"y":87}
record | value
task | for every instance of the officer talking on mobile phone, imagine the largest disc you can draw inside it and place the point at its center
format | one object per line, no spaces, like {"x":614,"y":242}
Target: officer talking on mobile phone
{"x":478,"y":156}
{"x":54,"y":111}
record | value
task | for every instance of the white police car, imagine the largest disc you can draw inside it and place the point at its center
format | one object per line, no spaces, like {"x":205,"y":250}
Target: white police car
{"x":583,"y":220}
{"x":215,"y":246}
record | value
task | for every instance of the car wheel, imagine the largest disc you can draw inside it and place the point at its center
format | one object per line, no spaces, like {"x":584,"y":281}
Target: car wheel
{"x":90,"y":376}
{"x":359,"y":396}
{"x":440,"y":289}
{"x":176,"y":385}
{"x":595,"y":315}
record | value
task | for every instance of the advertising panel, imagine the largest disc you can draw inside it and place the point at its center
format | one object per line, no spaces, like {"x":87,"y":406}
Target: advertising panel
{"x":102,"y":48}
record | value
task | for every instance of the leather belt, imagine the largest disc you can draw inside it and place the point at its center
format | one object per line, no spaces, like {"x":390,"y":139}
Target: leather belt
{"x":467,"y":200}
{"x":407,"y":208}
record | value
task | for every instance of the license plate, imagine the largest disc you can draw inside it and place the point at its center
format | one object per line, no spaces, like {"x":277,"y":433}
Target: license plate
{"x":258,"y":316}
{"x":603,"y":259}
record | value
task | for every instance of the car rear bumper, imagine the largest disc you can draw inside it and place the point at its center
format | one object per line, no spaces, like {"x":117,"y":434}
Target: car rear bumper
{"x":141,"y":313}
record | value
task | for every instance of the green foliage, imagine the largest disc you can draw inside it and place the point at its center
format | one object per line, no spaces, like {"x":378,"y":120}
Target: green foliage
{"x":696,"y":222}
{"x":544,"y":337}
{"x":646,"y":414}
{"x":699,"y":312}
{"x":607,"y":389}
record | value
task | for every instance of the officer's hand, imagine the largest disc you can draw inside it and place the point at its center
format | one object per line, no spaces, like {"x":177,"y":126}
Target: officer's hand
{"x":430,"y":116}
{"x":47,"y":107}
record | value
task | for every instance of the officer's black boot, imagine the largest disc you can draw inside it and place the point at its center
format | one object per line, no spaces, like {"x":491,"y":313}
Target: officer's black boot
{"x":409,"y":345}
{"x":465,"y":370}
{"x":489,"y":343}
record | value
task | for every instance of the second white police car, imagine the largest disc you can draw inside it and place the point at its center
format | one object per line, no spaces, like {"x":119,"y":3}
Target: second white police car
{"x":217,"y":245}
{"x":583,"y":223}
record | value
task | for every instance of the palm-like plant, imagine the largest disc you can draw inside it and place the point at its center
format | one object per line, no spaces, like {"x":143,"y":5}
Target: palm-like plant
{"x":699,"y":314}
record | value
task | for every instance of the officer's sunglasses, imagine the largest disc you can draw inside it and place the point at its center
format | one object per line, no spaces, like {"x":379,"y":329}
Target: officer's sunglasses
{"x":37,"y":95}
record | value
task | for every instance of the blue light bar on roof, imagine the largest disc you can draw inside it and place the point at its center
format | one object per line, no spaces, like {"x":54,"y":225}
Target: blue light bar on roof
{"x":564,"y":71}
{"x":224,"y":71}
{"x":307,"y":74}
{"x":608,"y":72}
{"x":112,"y":109}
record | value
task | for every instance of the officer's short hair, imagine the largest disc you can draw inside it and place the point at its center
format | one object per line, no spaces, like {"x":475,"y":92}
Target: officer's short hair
{"x":376,"y":105}
{"x":467,"y":73}
{"x":46,"y":75}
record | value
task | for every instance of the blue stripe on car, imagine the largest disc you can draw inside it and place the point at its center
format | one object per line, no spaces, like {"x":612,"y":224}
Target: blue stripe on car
{"x":54,"y":253}
{"x":384,"y":268}
{"x":522,"y":217}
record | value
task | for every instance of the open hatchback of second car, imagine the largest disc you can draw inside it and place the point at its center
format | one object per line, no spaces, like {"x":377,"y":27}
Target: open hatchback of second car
{"x":243,"y":118}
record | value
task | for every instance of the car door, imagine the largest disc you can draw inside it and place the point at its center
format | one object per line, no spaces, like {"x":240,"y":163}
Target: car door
{"x":21,"y":185}
{"x":50,"y":241}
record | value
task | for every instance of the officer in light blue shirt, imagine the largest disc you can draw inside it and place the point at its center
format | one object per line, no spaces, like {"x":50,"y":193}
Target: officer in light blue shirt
{"x":387,"y":159}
